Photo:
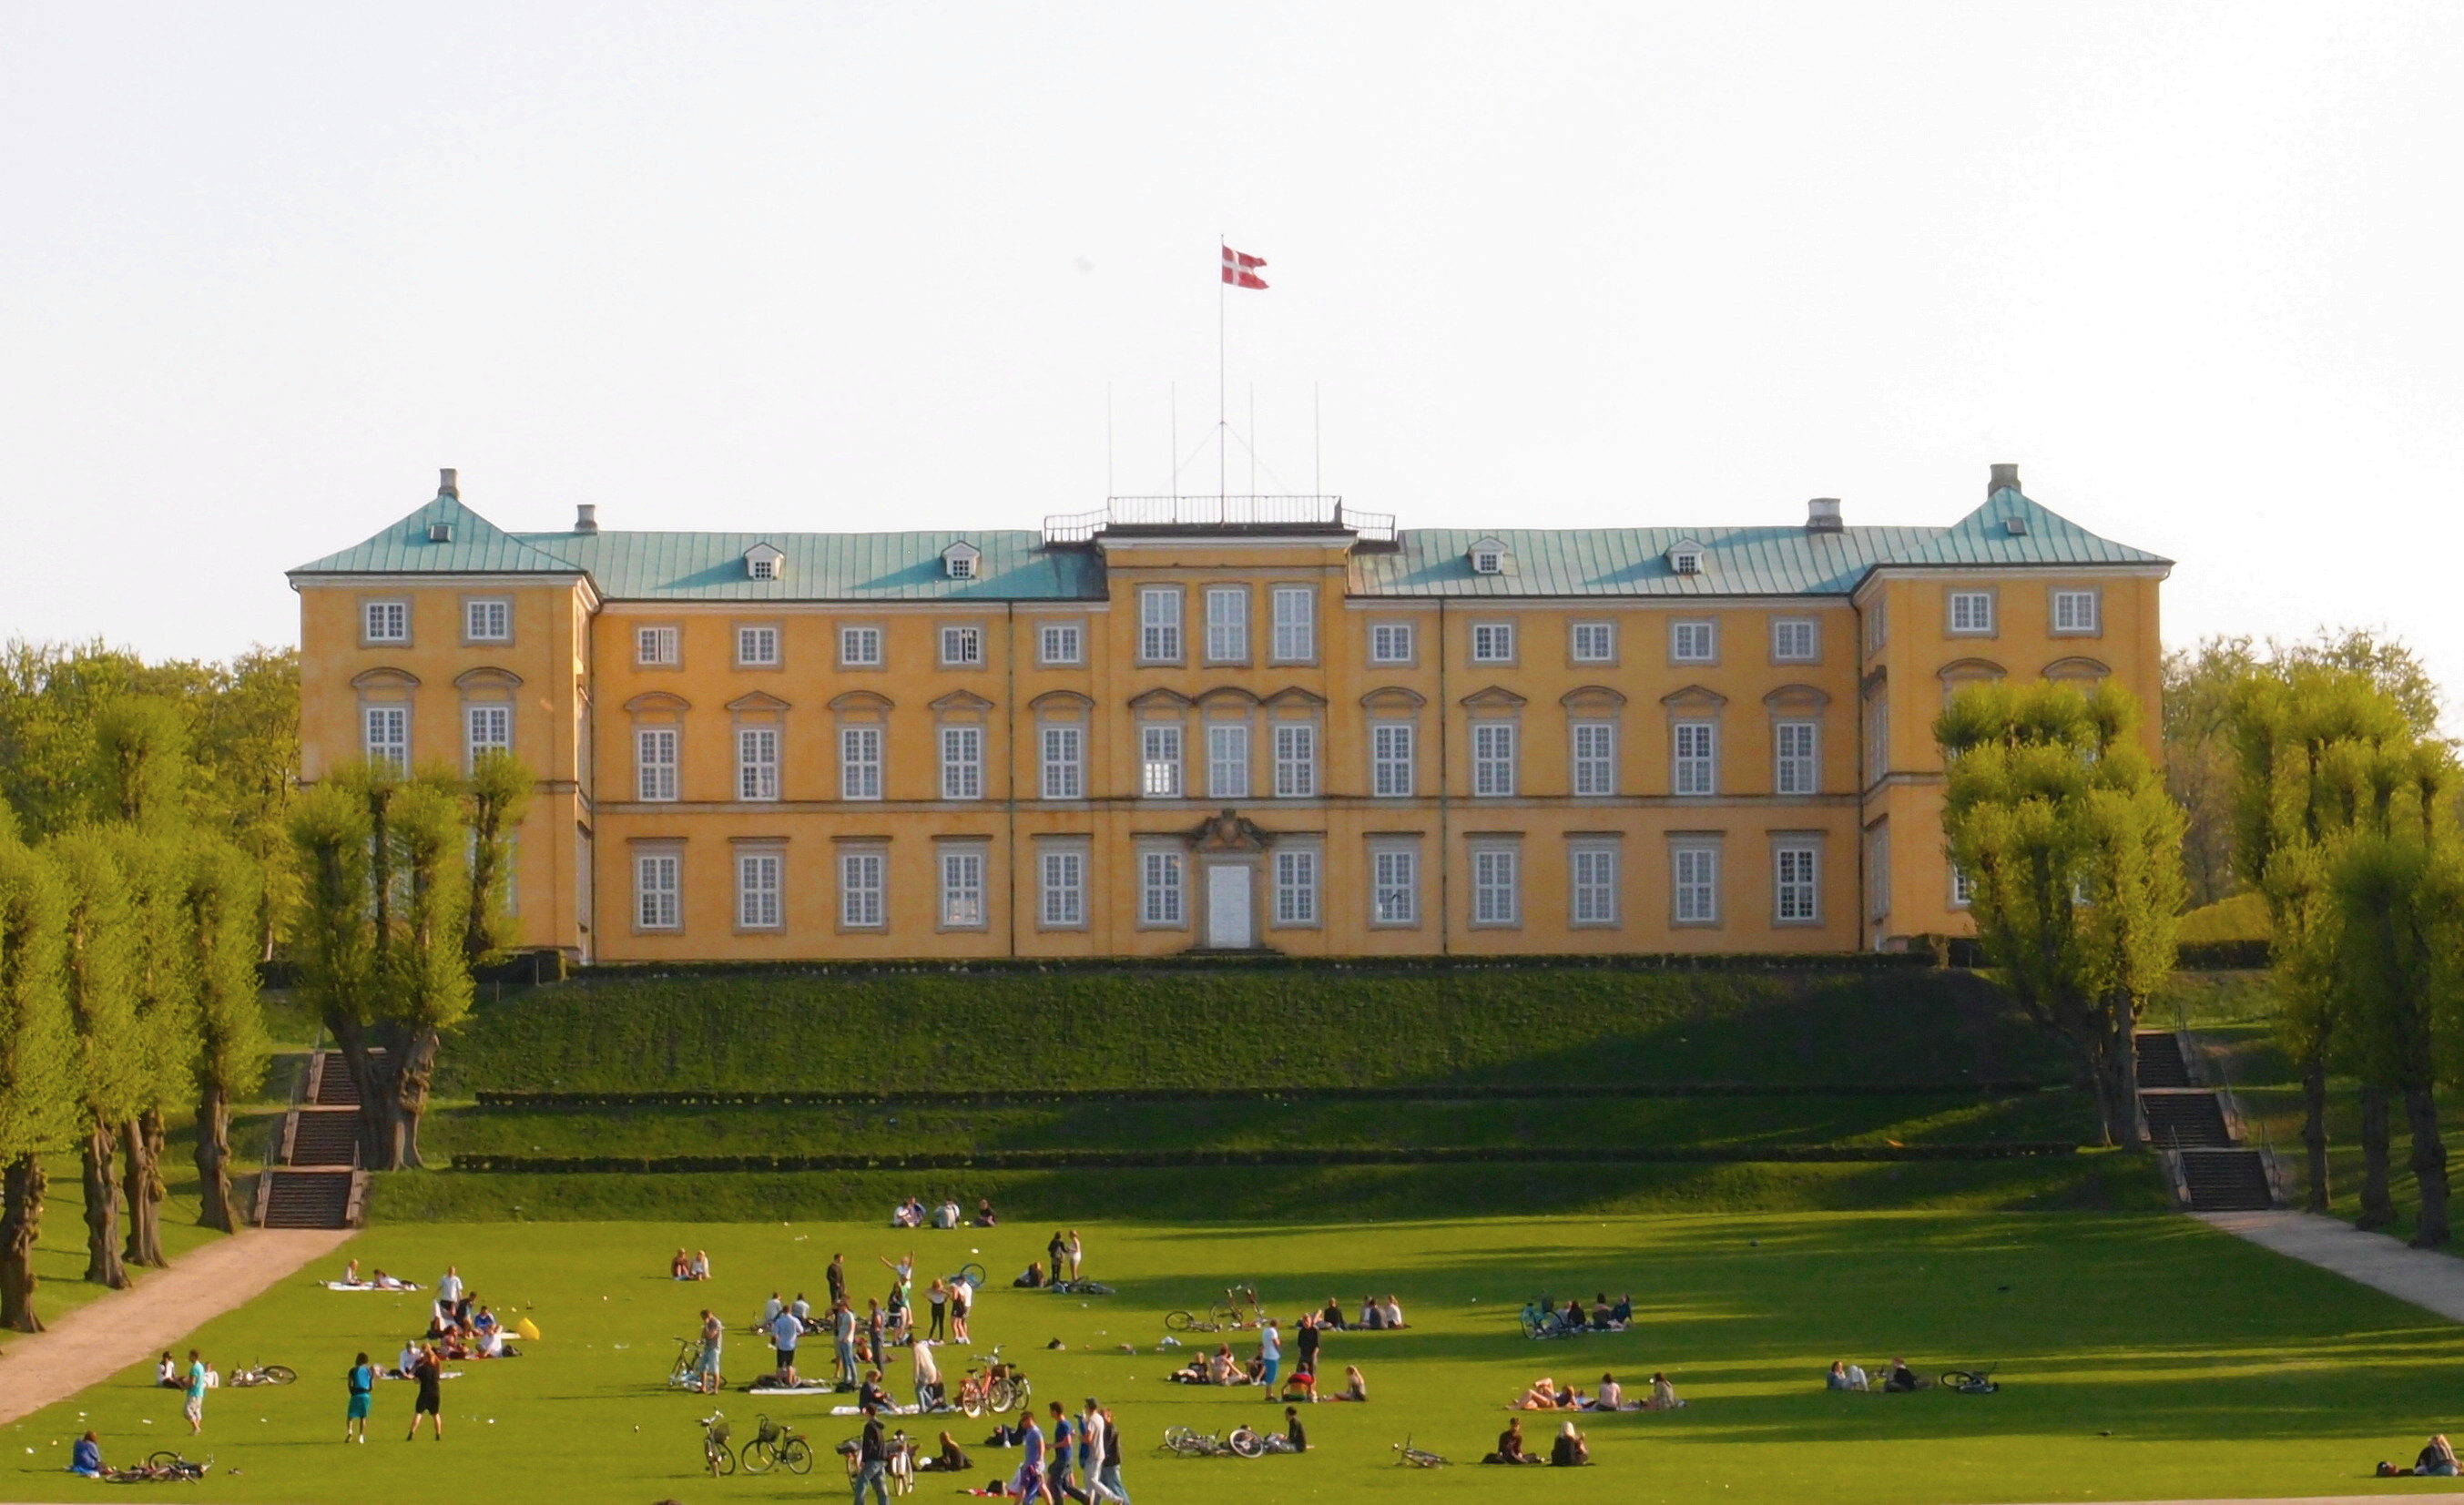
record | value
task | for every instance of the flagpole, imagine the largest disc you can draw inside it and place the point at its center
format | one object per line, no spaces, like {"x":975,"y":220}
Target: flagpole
{"x":1223,"y":254}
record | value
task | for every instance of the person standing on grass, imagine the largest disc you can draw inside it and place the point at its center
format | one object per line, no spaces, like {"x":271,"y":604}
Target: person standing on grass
{"x":1270,"y":1349}
{"x":837,"y":1275}
{"x":430,"y":1372}
{"x":362,"y":1383}
{"x":1077,"y":1252}
{"x":1108,"y":1478}
{"x":1057,"y":1252}
{"x":783,"y":1336}
{"x":872,"y":1332}
{"x":195,"y":1408}
{"x":938,"y":1299}
{"x":448,"y":1290}
{"x":962,"y":1297}
{"x":1307,"y":1340}
{"x":873,"y":1460}
{"x":713,"y":1331}
{"x":928,"y":1374}
{"x":843,"y":1336}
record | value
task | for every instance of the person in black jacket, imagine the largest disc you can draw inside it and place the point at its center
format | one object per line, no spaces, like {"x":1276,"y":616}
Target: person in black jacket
{"x":873,"y":1460}
{"x":1306,"y":1341}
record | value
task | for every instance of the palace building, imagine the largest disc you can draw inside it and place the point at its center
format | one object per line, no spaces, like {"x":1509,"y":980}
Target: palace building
{"x":1244,"y":724}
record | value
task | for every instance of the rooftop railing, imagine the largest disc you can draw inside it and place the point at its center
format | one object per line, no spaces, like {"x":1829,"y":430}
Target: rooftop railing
{"x":1248,"y":513}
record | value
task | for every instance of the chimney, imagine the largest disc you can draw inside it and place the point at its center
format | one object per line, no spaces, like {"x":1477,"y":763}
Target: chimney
{"x":445,"y":486}
{"x":2006,"y":477}
{"x":1822,"y":516}
{"x":586,"y":518}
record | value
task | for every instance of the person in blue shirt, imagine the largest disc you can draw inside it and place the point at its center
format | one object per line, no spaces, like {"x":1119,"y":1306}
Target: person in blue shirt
{"x":86,"y":1458}
{"x":1030,"y":1471}
{"x":1062,"y":1439}
{"x":362,"y":1383}
{"x":784,"y":1334}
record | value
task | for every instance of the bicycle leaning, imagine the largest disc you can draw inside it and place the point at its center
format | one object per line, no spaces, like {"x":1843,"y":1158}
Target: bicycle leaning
{"x":993,"y":1386}
{"x":775,"y":1446}
{"x":715,"y":1454}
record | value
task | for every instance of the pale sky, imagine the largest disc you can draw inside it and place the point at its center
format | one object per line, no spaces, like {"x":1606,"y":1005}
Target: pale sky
{"x":824,"y":267}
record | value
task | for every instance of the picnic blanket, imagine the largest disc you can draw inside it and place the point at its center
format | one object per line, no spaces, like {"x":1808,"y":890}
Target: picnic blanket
{"x":803,"y":1387}
{"x":370,"y":1285}
{"x":858,"y":1410}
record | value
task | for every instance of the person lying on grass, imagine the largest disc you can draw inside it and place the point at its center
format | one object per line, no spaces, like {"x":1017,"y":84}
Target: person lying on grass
{"x":1570,"y":1450}
{"x":2437,"y":1460}
{"x":1844,"y":1376}
{"x":1901,"y":1379}
{"x":1546,"y":1394}
{"x":1510,"y":1445}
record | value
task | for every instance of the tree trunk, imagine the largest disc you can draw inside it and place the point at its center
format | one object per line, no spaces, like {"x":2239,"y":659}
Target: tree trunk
{"x":102,"y":1264}
{"x":2429,"y":1166}
{"x":2314,"y":1130}
{"x":2378,"y":1208}
{"x":141,"y":1187}
{"x":2124,"y":1054}
{"x":213,"y":1161}
{"x":410,"y":1085}
{"x":21,"y":1223}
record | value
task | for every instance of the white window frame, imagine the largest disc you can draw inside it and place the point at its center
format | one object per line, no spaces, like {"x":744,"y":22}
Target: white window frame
{"x":385,"y":621}
{"x":1496,"y":886}
{"x":963,"y":762}
{"x":1590,"y":642}
{"x":1877,"y":733}
{"x":1796,"y":757}
{"x":762,"y":567}
{"x":1971,"y":614}
{"x":1694,"y":882}
{"x":1062,"y":746}
{"x":487,"y":618}
{"x":1227,"y":760}
{"x":658,"y":891}
{"x":1693,"y":640}
{"x":384,"y":736}
{"x":757,"y":648}
{"x":860,"y":760}
{"x":761,"y":890}
{"x":1592,"y":882}
{"x":1392,"y":759}
{"x":963,"y":904}
{"x":1694,"y":757}
{"x":657,"y":768}
{"x":1296,"y":871}
{"x":961,"y":566}
{"x":487,"y":726}
{"x":862,"y":647}
{"x":1295,"y":623}
{"x":1163,"y":889}
{"x":1878,"y":626}
{"x":864,"y":889}
{"x":1963,"y":887}
{"x":2085,"y":607}
{"x":1390,"y":641}
{"x":1592,"y":746}
{"x":1494,"y":760}
{"x":657,"y":647}
{"x":756,"y":763}
{"x":1227,"y":624}
{"x":1796,"y":882}
{"x":1393,"y":887}
{"x":1059,"y":643}
{"x":1488,"y":561}
{"x":1493,"y":643}
{"x":1295,"y":759}
{"x":962,"y":647}
{"x":1160,"y":624}
{"x":1685,"y":562}
{"x":1061,"y":887}
{"x":1161,"y":759}
{"x":1784,"y":648}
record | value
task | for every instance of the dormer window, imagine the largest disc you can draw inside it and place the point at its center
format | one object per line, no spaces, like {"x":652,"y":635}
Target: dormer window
{"x":959,"y":561}
{"x":1488,"y":558}
{"x":763,"y":562}
{"x":1686,"y":557}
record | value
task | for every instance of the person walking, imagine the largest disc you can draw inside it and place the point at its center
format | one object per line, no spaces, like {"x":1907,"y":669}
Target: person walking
{"x":430,"y":1372}
{"x":1058,"y":1485}
{"x":361,"y":1383}
{"x":1270,"y":1349}
{"x":1108,"y":1476}
{"x":783,"y":1336}
{"x":873,"y":1460}
{"x":1030,"y":1468}
{"x":195,"y":1407}
{"x":843,"y":1336}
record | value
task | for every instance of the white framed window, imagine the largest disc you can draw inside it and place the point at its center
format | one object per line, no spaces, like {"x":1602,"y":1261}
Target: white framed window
{"x":859,"y":762}
{"x":1796,"y":882}
{"x":1159,"y":762}
{"x":489,"y":728}
{"x":1877,"y":870}
{"x":1062,"y":885}
{"x":756,"y":762}
{"x":1685,"y":562}
{"x":1394,"y":886}
{"x":488,"y":620}
{"x":1059,"y":643}
{"x":963,"y":647}
{"x":962,"y":566}
{"x":1595,"y":884}
{"x":1160,"y":878}
{"x":386,"y":737}
{"x":963,"y":762}
{"x":1794,"y":639}
{"x":1496,"y":886}
{"x":1160,"y":624}
{"x":1493,"y":643}
{"x":1295,"y":623}
{"x":658,"y":883}
{"x":758,"y":885}
{"x":1692,"y":642}
{"x":1065,"y":762}
{"x":1796,"y":753}
{"x":1878,"y":626}
{"x":2075,"y":611}
{"x":1390,"y":759}
{"x":863,"y":876}
{"x":1389,"y":643}
{"x":1878,"y":734}
{"x":1695,"y":760}
{"x":860,"y":647}
{"x":962,"y":888}
{"x":1492,"y":758}
{"x":1962,"y":888}
{"x":757,"y":648}
{"x":1295,"y":886}
{"x":1488,"y":562}
{"x":1227,"y":624}
{"x":1592,"y":641}
{"x":656,"y":647}
{"x":1227,"y":762}
{"x":1971,"y":612}
{"x":762,"y":567}
{"x":654,"y":763}
{"x":1295,"y":761}
{"x":385,"y":621}
{"x":1596,"y":757}
{"x":1694,"y":884}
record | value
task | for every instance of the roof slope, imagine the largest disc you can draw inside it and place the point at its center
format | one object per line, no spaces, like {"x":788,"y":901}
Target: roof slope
{"x":827,"y":566}
{"x":476,"y":547}
{"x":1984,"y":536}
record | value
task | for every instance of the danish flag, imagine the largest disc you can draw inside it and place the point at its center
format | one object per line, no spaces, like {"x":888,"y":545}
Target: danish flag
{"x":1238,"y":269}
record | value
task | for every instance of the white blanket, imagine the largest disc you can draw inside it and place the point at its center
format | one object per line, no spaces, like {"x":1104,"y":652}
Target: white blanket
{"x":364,"y":1285}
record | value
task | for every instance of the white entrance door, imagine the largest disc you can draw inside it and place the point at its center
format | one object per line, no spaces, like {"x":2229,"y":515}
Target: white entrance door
{"x":1227,"y":906}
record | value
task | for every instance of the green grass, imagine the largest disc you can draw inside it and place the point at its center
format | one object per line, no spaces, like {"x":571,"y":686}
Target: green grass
{"x":2144,"y":1358}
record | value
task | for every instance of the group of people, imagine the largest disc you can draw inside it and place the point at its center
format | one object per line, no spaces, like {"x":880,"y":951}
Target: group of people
{"x":1079,"y":1458}
{"x":943,"y":1214}
{"x":1569,"y":1449}
{"x":1546,"y":1394}
{"x":377,"y":1281}
{"x":1068,"y":1255}
{"x":695,"y":1266}
{"x":1375,"y":1315}
{"x":1897,"y":1379}
{"x":885,"y":1326}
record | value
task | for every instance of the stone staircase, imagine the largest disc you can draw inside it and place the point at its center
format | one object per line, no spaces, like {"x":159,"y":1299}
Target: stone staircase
{"x":2213,"y":1171}
{"x":318,"y":1182}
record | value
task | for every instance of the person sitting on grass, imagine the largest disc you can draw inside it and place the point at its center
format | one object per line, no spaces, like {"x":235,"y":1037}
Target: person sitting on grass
{"x":1332,"y":1317}
{"x":1393,"y":1313}
{"x":1294,"y":1433}
{"x":679,"y":1266}
{"x":1663,"y":1395}
{"x":1355,"y":1387}
{"x":984,"y":1214}
{"x":1373,"y":1317}
{"x":1902,"y":1380}
{"x":1032,"y":1280}
{"x":405,"y":1363}
{"x":1575,"y":1320}
{"x":1570,"y":1450}
{"x":872,"y":1394}
{"x":946,"y":1215}
{"x":1220,"y":1368}
{"x":166,"y":1372}
{"x":1610,"y":1396}
{"x":1253,"y":1370}
{"x":1510,"y":1445}
{"x":85,"y":1459}
{"x":1622,"y":1313}
{"x":2437,"y":1460}
{"x":1602,"y":1321}
{"x":1300,"y":1384}
{"x":699,"y":1267}
{"x":1838,"y":1378}
{"x":950,"y":1459}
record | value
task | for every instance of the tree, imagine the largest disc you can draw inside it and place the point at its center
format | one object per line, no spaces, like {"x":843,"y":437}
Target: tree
{"x":2074,"y":850}
{"x":427,"y":985}
{"x":334,"y":931}
{"x":162,"y":994}
{"x":141,"y":762}
{"x":219,"y":899}
{"x":98,"y":939}
{"x":247,"y":751}
{"x":38,"y":1065}
{"x":499,"y":792}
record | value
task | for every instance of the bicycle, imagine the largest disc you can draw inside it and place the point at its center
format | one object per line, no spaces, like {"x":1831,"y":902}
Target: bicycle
{"x":1539,"y":1321}
{"x":1239,"y":1309}
{"x":774,"y":1445}
{"x":1190,"y":1443}
{"x":1408,"y":1456}
{"x":993,"y":1386}
{"x":970,"y":1272}
{"x":162,"y":1467}
{"x":1079,"y":1288}
{"x":261,"y":1374}
{"x":685,"y":1373}
{"x":1971,"y":1382}
{"x":715,"y":1454}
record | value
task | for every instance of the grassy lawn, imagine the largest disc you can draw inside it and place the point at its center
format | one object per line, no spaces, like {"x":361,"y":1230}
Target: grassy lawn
{"x":2145,"y":1357}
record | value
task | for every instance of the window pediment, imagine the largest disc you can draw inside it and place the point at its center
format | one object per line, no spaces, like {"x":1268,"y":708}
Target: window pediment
{"x":1963,"y":671}
{"x":2077,"y":670}
{"x":1494,"y":698}
{"x":488,"y":678}
{"x":658,"y":701}
{"x":757,"y":701}
{"x":1695,"y":698}
{"x":1061,"y":701}
{"x":386,"y":678}
{"x":962,"y":700}
{"x":860,"y":700}
{"x":1797,"y":697}
{"x":1296,"y":697}
{"x":1592,"y":697}
{"x":1225,"y":697}
{"x":1159,"y":698}
{"x":1394,"y":697}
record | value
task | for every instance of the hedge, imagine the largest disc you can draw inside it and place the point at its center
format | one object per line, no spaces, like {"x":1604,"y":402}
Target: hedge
{"x":489,"y":1097}
{"x":1200,"y":1159}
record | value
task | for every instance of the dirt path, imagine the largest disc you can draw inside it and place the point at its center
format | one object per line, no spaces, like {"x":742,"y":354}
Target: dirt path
{"x":2432,"y":1281}
{"x":109,"y":1334}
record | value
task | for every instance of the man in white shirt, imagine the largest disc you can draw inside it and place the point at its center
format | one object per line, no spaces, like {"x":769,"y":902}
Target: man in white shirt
{"x":928,"y":1374}
{"x":449,"y":1289}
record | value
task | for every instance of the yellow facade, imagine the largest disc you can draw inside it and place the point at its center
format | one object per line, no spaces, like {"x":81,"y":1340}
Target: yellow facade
{"x":1305,"y":739}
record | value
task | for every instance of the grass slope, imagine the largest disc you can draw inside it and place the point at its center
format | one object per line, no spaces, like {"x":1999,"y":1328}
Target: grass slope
{"x":2145,"y":1358}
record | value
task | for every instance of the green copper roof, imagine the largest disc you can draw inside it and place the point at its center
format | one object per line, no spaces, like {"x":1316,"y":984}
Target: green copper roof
{"x":1016,"y":565}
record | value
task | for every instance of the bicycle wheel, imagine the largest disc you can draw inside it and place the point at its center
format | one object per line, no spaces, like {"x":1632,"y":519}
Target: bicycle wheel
{"x":279,"y":1374}
{"x":972,"y":1273}
{"x":971,"y":1400}
{"x":1957,"y":1379}
{"x":1179,"y":1322}
{"x":797,"y":1455}
{"x":1246,"y":1443}
{"x":164,"y":1460}
{"x":1003,"y":1396}
{"x":760,"y":1456}
{"x":1176,"y":1437}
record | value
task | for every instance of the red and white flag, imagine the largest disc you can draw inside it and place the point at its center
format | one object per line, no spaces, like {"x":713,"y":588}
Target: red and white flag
{"x":1239,"y":269}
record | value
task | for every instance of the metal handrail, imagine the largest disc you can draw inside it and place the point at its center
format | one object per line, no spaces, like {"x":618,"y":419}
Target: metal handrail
{"x":1218,"y":512}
